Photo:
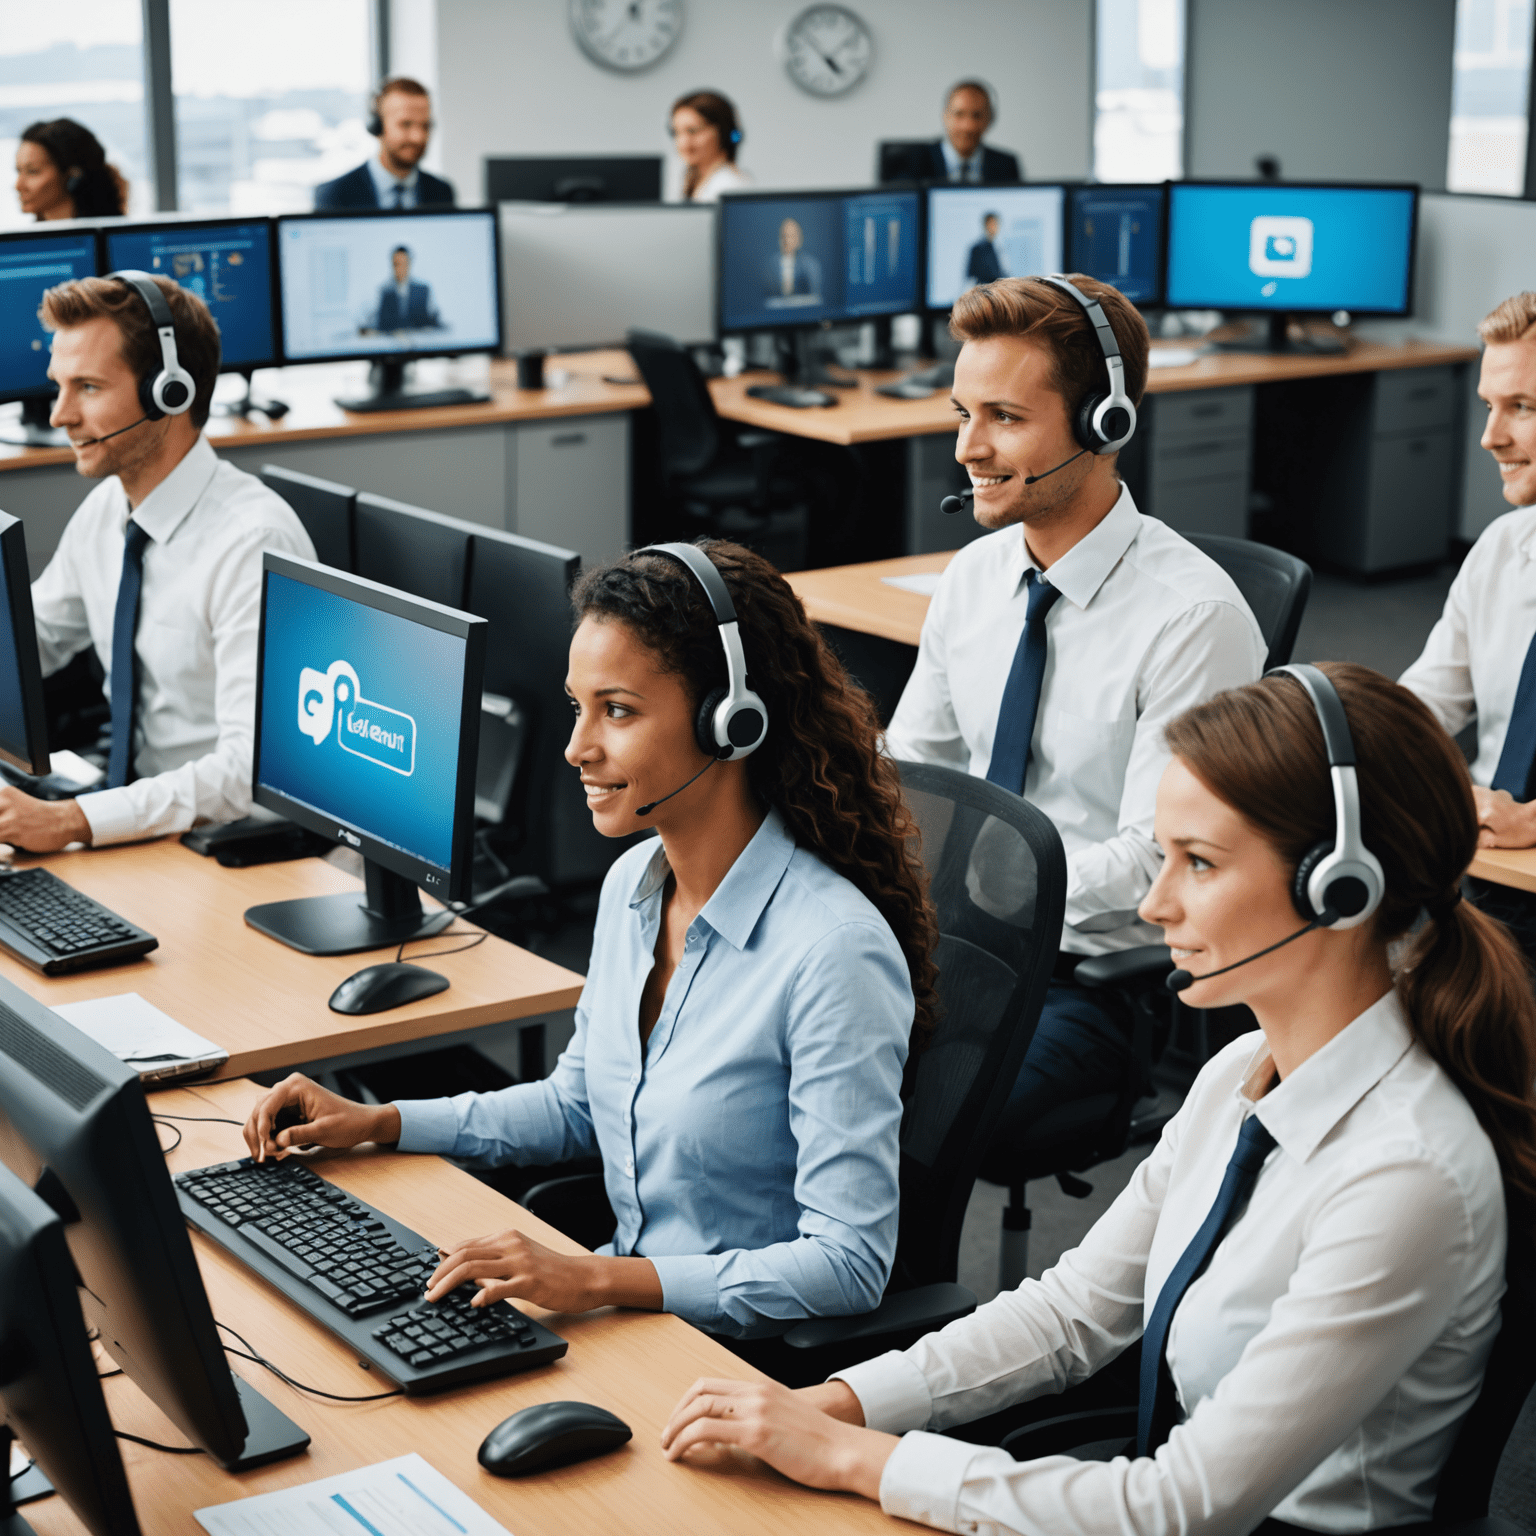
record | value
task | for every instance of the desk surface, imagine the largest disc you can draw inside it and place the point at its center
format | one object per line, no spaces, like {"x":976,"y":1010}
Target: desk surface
{"x":314,"y":413}
{"x":858,"y":597}
{"x":1506,"y":866}
{"x":635,"y":1364}
{"x":263,"y":1002}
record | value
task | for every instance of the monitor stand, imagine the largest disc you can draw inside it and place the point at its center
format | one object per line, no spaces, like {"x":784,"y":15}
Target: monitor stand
{"x":801,"y":364}
{"x":272,"y":409}
{"x":35,"y":431}
{"x":270,"y":1435}
{"x":388,"y":913}
{"x":1275,"y":337}
{"x":390,"y":394}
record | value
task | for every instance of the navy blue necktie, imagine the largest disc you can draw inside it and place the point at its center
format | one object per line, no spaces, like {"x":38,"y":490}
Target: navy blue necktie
{"x":1156,"y":1412}
{"x":125,"y":662}
{"x":399,"y":192}
{"x":1514,"y":770}
{"x":1021,"y":695}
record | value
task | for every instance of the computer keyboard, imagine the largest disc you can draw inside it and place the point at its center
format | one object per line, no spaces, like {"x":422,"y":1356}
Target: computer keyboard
{"x":360,"y":1274}
{"x":792,"y":395}
{"x":56,"y":929}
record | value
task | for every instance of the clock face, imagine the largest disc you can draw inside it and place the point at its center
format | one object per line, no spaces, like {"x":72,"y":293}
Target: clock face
{"x":626,"y":34}
{"x":827,"y":50}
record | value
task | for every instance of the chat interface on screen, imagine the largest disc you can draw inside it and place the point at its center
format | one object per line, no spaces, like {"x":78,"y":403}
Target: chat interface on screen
{"x":1115,"y":236}
{"x":368,"y":287}
{"x":13,"y":717}
{"x":1307,"y":248}
{"x":360,"y":717}
{"x":979,"y":234}
{"x":27,"y":268}
{"x":228,"y":266}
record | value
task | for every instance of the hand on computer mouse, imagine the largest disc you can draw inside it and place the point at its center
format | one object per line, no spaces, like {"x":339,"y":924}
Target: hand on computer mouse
{"x":325,"y":1120}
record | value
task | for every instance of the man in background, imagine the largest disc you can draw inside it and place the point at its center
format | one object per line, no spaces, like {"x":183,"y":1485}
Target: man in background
{"x":401,"y":120}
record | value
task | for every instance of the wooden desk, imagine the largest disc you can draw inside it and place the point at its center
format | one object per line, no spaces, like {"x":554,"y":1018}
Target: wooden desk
{"x":636,"y":1364}
{"x":857,"y":597}
{"x":1506,"y":866}
{"x":263,"y":1002}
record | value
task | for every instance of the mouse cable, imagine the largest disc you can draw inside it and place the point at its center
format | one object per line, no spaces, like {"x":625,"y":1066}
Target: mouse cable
{"x":157,"y":1116}
{"x":433,"y":954}
{"x":249,"y":1353}
{"x":158,"y":1120}
{"x":154,"y":1445}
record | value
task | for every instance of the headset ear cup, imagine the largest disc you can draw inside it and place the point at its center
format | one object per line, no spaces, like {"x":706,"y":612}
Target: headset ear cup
{"x":1082,"y":424}
{"x":704,"y":725}
{"x":147,"y":398}
{"x":1309,"y":861}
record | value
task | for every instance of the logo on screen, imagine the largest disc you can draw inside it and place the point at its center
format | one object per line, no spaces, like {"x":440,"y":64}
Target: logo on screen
{"x":333,"y":701}
{"x":1280,"y":246}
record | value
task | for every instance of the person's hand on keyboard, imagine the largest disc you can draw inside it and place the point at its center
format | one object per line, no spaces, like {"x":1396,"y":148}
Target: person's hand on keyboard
{"x":40,"y":826}
{"x":509,"y":1264}
{"x":325,"y":1120}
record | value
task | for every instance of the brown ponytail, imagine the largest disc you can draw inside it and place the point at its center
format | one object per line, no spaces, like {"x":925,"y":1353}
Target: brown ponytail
{"x":1462,"y":979}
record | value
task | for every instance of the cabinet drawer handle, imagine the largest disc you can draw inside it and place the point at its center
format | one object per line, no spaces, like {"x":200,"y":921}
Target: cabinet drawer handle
{"x":567,"y":439}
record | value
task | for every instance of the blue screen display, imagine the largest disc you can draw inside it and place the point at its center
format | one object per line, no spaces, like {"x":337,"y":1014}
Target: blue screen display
{"x":1116,"y":234}
{"x":228,"y":266}
{"x":789,"y":261}
{"x":1298,"y":248}
{"x":979,"y":234}
{"x":360,"y":716}
{"x":27,"y":268}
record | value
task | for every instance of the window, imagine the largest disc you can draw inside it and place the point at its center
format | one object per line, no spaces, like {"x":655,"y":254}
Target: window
{"x":264,"y":111}
{"x":1490,"y":86}
{"x":1138,"y":132}
{"x":45,"y":72}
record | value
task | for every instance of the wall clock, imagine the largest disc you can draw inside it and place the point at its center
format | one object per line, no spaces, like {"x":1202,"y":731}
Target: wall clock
{"x":625,"y":34}
{"x":827,"y":50}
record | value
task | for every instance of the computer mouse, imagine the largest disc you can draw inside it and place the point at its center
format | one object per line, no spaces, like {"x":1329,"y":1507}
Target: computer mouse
{"x":378,"y":987}
{"x":550,"y":1435}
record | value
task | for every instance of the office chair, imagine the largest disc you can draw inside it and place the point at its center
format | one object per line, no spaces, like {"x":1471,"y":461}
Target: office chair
{"x":793,"y":501}
{"x":1082,"y":1133}
{"x":997,"y":877}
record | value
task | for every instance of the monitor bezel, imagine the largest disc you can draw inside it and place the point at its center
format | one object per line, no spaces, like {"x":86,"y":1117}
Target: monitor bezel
{"x":659,"y":161}
{"x":14,"y":571}
{"x":280,"y":220}
{"x":1298,"y":186}
{"x":452,"y":885}
{"x":1160,"y":285}
{"x":930,"y":187}
{"x":63,"y":229}
{"x":812,"y":194}
{"x":106,"y":234}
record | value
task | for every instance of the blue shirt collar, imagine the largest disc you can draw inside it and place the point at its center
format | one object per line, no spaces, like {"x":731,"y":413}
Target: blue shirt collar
{"x":384,"y":183}
{"x":952,"y":160}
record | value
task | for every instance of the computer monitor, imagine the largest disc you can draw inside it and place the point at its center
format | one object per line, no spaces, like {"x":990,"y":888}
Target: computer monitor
{"x":1282,"y":249}
{"x":423,"y":553}
{"x":1115,"y":233}
{"x":979,"y":234}
{"x":50,"y":1395}
{"x":790,"y":261}
{"x":325,"y":508}
{"x":74,"y":1125}
{"x":32,"y":261}
{"x":390,"y":287}
{"x":23,"y":710}
{"x":367,"y":727}
{"x":227,"y":263}
{"x":583,"y":276}
{"x":573,"y":178}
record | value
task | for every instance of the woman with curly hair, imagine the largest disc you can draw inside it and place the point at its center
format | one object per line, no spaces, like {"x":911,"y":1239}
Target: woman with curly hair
{"x":759,"y":971}
{"x":62,"y":173}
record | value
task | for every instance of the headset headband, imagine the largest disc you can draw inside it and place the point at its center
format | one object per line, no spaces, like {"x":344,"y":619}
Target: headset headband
{"x":171,"y":390}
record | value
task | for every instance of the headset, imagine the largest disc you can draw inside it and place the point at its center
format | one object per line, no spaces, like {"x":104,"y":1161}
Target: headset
{"x":172,"y":390}
{"x":1103,"y":423}
{"x":375,"y":123}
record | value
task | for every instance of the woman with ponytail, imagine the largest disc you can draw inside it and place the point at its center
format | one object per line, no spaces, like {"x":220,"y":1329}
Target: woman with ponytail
{"x":1312,"y":1258}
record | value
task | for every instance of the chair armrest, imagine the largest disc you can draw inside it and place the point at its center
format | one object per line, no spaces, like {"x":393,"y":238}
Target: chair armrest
{"x":1063,"y":1435}
{"x":925,"y":1309}
{"x":1126,"y":967}
{"x":576,"y":1205}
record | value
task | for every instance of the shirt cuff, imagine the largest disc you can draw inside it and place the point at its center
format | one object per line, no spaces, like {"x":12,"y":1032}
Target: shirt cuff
{"x":690,"y":1288}
{"x":112,"y":816}
{"x":892,"y":1392}
{"x":924,"y":1477}
{"x":427,"y":1125}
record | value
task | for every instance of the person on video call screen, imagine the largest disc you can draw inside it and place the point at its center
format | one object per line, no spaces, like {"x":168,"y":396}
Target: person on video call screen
{"x":404,"y":305}
{"x":792,"y":276}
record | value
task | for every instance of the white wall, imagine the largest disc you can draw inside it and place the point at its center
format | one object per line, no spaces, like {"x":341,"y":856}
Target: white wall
{"x":511,"y":80}
{"x":1338,"y":89}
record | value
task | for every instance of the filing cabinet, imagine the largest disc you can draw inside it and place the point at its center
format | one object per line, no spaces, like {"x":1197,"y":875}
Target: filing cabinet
{"x":1197,"y":459}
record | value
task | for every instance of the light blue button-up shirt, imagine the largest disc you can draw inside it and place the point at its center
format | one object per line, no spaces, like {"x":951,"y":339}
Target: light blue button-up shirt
{"x":750,"y":1151}
{"x":385,"y":182}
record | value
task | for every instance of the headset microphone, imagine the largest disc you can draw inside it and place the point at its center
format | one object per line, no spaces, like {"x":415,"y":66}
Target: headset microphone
{"x":953,"y":504}
{"x":645,"y":810}
{"x":1177,"y":981}
{"x":108,"y":436}
{"x":1033,"y":479}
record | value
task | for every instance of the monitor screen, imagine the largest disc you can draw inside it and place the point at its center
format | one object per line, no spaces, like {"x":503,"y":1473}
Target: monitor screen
{"x":23,"y":711}
{"x":979,"y":234}
{"x":362,"y":715}
{"x":29,"y":264}
{"x":1116,"y":235}
{"x":816,"y":258}
{"x":1257,"y":247}
{"x":396,"y":284}
{"x":227,"y":265}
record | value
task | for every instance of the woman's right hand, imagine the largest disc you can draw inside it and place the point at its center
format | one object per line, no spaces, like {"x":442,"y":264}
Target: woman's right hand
{"x":327,"y":1120}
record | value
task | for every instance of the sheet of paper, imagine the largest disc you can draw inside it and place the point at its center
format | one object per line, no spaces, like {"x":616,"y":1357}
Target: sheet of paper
{"x":403,"y":1497}
{"x":74,"y":767}
{"x":924,"y":583}
{"x":1174,"y":357}
{"x":135,"y":1031}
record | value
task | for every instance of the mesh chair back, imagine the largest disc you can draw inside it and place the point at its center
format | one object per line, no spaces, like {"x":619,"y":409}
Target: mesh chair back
{"x":1274,"y":584}
{"x":998,"y":880}
{"x":687,"y":424}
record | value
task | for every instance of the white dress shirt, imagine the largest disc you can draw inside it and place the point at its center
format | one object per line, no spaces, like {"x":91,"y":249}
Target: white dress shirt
{"x":199,"y":610}
{"x":385,"y":182}
{"x":1146,"y":626}
{"x":724,"y":178}
{"x":1471,"y":662}
{"x":1326,"y":1357}
{"x":961,"y":170}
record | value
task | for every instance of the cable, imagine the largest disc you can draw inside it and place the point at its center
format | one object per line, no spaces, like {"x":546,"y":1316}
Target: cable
{"x":433,"y":954}
{"x":154,"y":1445}
{"x":206,"y":1119}
{"x":22,"y":1471}
{"x":249,"y":1353}
{"x":158,"y":1120}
